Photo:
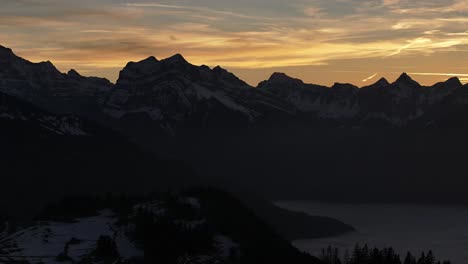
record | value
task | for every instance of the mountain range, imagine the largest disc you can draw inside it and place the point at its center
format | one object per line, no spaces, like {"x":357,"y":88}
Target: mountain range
{"x":56,"y":142}
{"x":174,"y":92}
{"x":283,"y":138}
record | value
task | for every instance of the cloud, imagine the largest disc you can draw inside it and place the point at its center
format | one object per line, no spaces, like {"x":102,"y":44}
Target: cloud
{"x":191,"y":8}
{"x":391,"y":2}
{"x":440,"y":74}
{"x":412,"y":43}
{"x":313,"y":11}
{"x":370,"y":77}
{"x":245,"y":34}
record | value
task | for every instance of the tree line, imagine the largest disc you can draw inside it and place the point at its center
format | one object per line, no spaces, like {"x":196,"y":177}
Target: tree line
{"x":365,"y":255}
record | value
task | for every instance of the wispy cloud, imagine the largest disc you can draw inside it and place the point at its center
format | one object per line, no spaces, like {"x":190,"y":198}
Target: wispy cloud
{"x":193,"y":8}
{"x":248,"y":34}
{"x":96,"y":31}
{"x":370,"y":77}
{"x":412,"y":43}
{"x":440,"y":74}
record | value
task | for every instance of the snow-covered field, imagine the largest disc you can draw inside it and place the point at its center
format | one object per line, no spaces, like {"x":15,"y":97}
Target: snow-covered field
{"x":52,"y":242}
{"x":44,"y":241}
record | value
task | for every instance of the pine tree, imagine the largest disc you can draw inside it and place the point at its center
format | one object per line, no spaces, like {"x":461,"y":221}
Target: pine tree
{"x":357,"y":255}
{"x":346,"y":257}
{"x":410,"y":259}
{"x":365,"y":254}
{"x":430,"y":258}
{"x":375,"y":256}
{"x":422,"y":259}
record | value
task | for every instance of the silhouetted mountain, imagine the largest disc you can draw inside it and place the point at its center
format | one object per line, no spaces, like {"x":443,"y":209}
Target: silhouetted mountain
{"x":45,"y":155}
{"x":283,"y":138}
{"x":176,"y":94}
{"x":42,"y":84}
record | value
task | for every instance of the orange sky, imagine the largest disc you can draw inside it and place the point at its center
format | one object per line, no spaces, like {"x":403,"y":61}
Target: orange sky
{"x":319,"y":41}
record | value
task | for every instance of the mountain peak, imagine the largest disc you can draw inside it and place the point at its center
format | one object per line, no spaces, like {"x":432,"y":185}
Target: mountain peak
{"x":6,"y":53}
{"x":219,"y":69}
{"x":344,"y":87}
{"x":280,"y":77}
{"x":47,"y":64}
{"x":150,"y":59}
{"x":382,"y":82}
{"x":177,"y":58}
{"x":145,"y":65}
{"x":49,"y":67}
{"x":406,"y":79}
{"x":73,"y":73}
{"x":5,"y":50}
{"x":454,"y":82}
{"x":227,"y":76}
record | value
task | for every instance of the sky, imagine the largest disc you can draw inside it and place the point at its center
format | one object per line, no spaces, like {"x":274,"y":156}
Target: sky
{"x":319,"y":41}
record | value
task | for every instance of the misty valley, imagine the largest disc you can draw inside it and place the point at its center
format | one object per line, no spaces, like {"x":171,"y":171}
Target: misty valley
{"x":404,"y":227}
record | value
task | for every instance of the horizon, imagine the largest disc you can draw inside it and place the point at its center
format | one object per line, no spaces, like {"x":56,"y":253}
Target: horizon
{"x":320,"y":42}
{"x":366,"y":82}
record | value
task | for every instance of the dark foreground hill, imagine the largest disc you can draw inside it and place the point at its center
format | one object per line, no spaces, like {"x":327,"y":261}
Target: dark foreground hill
{"x":197,"y":226}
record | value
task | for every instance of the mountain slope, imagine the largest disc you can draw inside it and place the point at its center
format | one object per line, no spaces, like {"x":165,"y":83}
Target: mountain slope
{"x":46,"y":155}
{"x":177,"y":93}
{"x":284,"y":138}
{"x":175,"y":96}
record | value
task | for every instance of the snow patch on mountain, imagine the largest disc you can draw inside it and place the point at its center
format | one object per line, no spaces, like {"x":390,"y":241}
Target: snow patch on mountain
{"x":63,"y":125}
{"x":205,"y":93}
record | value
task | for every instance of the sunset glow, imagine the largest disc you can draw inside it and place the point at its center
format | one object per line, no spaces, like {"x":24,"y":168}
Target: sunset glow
{"x":319,"y":41}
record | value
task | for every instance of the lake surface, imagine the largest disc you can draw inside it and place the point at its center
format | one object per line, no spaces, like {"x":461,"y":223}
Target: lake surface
{"x":416,"y":228}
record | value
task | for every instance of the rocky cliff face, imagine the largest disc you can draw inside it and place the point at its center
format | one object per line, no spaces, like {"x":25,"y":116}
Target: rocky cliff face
{"x":42,"y":84}
{"x":281,"y":133}
{"x":175,"y":94}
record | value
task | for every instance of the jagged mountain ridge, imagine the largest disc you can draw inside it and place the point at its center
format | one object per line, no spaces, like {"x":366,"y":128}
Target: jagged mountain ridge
{"x":45,"y":155}
{"x":45,"y":86}
{"x":175,"y":89}
{"x":173,"y":93}
{"x":237,"y":135}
